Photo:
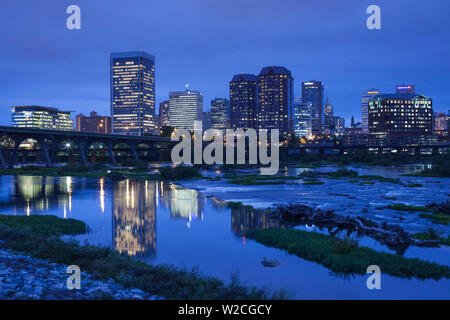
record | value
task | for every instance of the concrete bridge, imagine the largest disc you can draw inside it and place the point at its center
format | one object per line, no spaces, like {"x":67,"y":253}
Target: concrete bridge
{"x":51,"y":141}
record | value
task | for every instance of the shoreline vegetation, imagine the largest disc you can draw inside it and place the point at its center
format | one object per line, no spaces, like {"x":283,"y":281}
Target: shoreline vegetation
{"x":38,"y":236}
{"x":343,"y":256}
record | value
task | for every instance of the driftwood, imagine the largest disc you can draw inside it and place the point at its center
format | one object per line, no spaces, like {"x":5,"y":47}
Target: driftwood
{"x":392,"y":236}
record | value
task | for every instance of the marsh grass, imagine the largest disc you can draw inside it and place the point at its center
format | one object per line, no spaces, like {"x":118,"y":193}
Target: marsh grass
{"x":346,"y":258}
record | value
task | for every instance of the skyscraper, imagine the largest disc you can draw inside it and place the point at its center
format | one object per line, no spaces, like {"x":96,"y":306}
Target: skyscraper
{"x":275,"y":95}
{"x":206,"y":120}
{"x":312,"y":93}
{"x":302,"y":118}
{"x":164,"y":113}
{"x":133,"y":93}
{"x":328,"y":118}
{"x":401,"y":114}
{"x":220,"y":110}
{"x":365,"y":107}
{"x":243,"y":101}
{"x":406,"y":89}
{"x":185,"y":107}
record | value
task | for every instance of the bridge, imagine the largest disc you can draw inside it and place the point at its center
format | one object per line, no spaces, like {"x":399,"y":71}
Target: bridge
{"x":51,"y":141}
{"x":321,"y":147}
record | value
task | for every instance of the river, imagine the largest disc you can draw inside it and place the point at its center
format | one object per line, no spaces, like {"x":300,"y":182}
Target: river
{"x":160,"y":222}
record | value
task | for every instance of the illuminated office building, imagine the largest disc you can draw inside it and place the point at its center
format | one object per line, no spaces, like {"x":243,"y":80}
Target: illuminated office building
{"x":206,"y":120}
{"x":440,"y":125}
{"x":243,"y":101}
{"x":94,"y":123}
{"x":185,"y":107}
{"x":37,"y":117}
{"x":164,"y":113}
{"x":220,"y":110}
{"x":401,"y":114}
{"x":275,"y":98}
{"x":133,"y":93}
{"x":302,"y":118}
{"x":365,"y":107}
{"x":312,"y":94}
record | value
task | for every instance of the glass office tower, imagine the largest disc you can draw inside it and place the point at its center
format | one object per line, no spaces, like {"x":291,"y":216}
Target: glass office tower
{"x":243,"y":101}
{"x":302,"y":118}
{"x":133,"y":93}
{"x":185,"y":107}
{"x":312,"y":93}
{"x":369,"y":94}
{"x":275,"y":97}
{"x":220,"y":110}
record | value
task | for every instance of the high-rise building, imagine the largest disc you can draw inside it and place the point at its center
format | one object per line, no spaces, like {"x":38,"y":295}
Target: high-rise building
{"x":339,"y":125}
{"x":406,"y":89}
{"x":185,"y":107}
{"x":243,"y":101}
{"x":302,"y":118}
{"x":133,"y":93}
{"x":220,"y":111}
{"x":164,"y":113}
{"x":328,"y":114}
{"x":275,"y":97}
{"x":37,"y":117}
{"x":365,"y":107}
{"x":93,"y":123}
{"x":312,"y":93}
{"x":206,"y":121}
{"x":401,"y":114}
{"x":440,"y":125}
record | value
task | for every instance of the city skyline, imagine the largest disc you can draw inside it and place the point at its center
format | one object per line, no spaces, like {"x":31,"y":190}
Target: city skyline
{"x":332,"y":46}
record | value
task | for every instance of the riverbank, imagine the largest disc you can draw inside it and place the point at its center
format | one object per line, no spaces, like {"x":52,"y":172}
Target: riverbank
{"x":104,"y":264}
{"x":23,"y":277}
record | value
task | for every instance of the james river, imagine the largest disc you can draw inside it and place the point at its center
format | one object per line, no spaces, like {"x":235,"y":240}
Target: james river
{"x":182,"y":225}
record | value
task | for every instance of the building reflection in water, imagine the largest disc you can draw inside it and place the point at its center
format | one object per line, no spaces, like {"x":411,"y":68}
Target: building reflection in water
{"x":134,"y":217}
{"x":39,"y":194}
{"x":243,"y":220}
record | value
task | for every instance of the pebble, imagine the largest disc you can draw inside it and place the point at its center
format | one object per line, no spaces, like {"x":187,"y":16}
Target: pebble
{"x":26,"y":278}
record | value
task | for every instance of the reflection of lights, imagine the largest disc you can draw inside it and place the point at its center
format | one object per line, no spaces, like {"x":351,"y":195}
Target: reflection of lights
{"x":127,"y":192}
{"x":69,"y":190}
{"x":102,"y":195}
{"x":65,"y":212}
{"x":28,"y":207}
{"x":243,"y":240}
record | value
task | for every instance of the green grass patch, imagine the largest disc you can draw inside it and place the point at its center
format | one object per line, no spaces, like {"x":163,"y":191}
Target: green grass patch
{"x":426,"y":236}
{"x":258,"y":179}
{"x":436,"y":218}
{"x":353,"y":260}
{"x":415,"y":185}
{"x":313,"y":183}
{"x":404,"y":207}
{"x":441,"y":170}
{"x":44,"y":224}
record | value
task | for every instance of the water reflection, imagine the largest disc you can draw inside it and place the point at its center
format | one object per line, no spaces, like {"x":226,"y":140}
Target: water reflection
{"x":134,"y":218}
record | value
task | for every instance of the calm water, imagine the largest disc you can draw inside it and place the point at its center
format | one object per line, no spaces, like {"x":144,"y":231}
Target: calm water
{"x":164,"y":223}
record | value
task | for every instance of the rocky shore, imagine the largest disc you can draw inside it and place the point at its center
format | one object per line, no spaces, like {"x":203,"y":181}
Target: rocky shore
{"x":26,"y":278}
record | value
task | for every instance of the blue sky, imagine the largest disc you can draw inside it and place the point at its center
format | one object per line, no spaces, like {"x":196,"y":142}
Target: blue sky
{"x":206,"y":42}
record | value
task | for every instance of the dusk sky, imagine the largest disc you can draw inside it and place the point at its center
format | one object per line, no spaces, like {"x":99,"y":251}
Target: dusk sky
{"x":205,"y":42}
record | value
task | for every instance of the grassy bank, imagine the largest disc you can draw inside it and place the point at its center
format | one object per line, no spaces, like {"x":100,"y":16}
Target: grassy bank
{"x":431,"y":234}
{"x":344,"y":257}
{"x":248,"y":180}
{"x":38,"y":237}
{"x":441,"y":170}
{"x":405,"y":207}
